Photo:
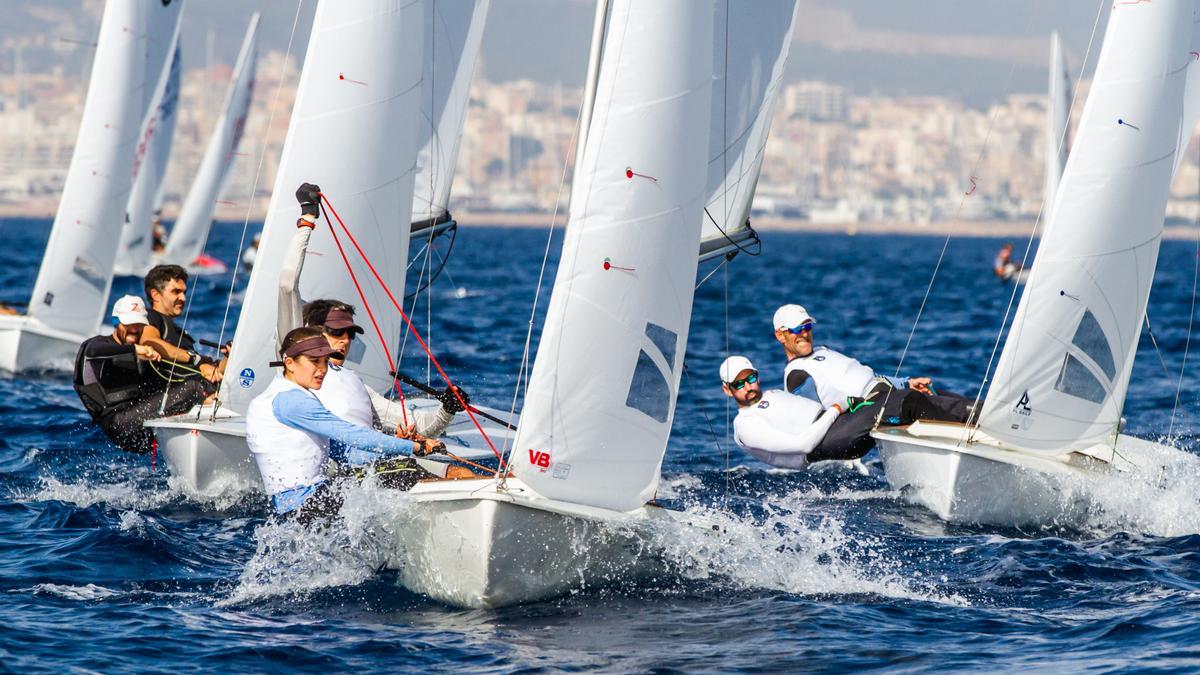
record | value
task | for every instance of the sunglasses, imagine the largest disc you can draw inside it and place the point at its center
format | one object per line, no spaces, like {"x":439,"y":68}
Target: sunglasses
{"x":341,"y":332}
{"x":737,"y":385}
{"x":806,"y":326}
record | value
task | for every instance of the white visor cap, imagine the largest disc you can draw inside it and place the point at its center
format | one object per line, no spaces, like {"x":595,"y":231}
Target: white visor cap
{"x":790,"y":316}
{"x":130,"y":309}
{"x":734,"y":365}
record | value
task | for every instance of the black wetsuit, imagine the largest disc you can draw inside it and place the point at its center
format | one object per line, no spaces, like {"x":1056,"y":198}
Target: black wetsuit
{"x":850,"y":435}
{"x":170,"y":333}
{"x":121,"y":392}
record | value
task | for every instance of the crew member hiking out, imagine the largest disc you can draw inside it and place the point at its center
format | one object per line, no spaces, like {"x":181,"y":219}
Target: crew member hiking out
{"x":344,"y":392}
{"x":120,"y":384}
{"x":166,"y":287}
{"x":289,"y":432}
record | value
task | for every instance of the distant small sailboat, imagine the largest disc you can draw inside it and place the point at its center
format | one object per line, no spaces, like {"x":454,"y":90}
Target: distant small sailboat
{"x":190,"y":233}
{"x":593,"y":432}
{"x":1049,"y":441}
{"x":70,"y":296}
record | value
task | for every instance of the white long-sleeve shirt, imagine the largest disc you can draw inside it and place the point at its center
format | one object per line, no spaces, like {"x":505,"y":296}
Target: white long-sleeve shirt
{"x":781,"y":429}
{"x":388,"y":414}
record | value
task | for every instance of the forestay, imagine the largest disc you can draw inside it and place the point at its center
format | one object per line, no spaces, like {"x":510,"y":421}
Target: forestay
{"x":751,"y":40}
{"x":195,"y":218}
{"x":1057,"y":143}
{"x":602,"y":393}
{"x":150,"y":168}
{"x":1063,"y":374}
{"x":353,"y":132}
{"x":72,"y":286}
{"x":453,"y":32}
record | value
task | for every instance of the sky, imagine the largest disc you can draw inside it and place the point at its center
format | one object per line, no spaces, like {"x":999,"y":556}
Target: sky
{"x":979,"y":50}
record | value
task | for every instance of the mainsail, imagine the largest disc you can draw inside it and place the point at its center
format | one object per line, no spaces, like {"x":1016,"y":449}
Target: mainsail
{"x":750,"y":47}
{"x":1063,"y":374}
{"x":353,"y":132}
{"x":1057,"y":143}
{"x":453,"y":32}
{"x":73,"y":283}
{"x":602,"y":393}
{"x":150,"y":167}
{"x":1191,"y":92}
{"x":195,"y":218}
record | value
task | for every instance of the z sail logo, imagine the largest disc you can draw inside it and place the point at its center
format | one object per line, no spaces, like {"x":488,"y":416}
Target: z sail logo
{"x":539,"y":459}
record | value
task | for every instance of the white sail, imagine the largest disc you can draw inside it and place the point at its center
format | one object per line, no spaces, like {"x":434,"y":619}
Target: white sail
{"x":195,"y":217}
{"x":1063,"y":374}
{"x":71,"y":290}
{"x":353,"y":132}
{"x":1191,"y":92}
{"x":754,"y":35}
{"x":453,"y":32}
{"x":1058,"y":117}
{"x":602,"y":394}
{"x":150,"y":168}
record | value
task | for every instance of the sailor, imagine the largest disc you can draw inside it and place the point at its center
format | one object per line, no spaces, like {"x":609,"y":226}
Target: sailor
{"x":827,"y":376}
{"x":344,"y":392}
{"x":158,"y":233}
{"x":166,"y":287}
{"x":1004,"y":266}
{"x":251,"y":252}
{"x":119,"y":383}
{"x":289,"y":431}
{"x":776,"y":427}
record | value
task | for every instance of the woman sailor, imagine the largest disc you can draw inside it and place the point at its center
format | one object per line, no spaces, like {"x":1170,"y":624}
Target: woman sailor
{"x":289,"y":432}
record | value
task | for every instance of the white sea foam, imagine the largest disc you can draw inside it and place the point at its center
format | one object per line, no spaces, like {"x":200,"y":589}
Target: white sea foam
{"x":123,"y":495}
{"x":88,"y":592}
{"x":1162,"y":499}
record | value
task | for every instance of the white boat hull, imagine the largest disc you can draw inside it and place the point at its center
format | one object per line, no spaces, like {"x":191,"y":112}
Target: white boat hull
{"x":28,"y":344}
{"x":982,"y":482}
{"x":208,"y":457}
{"x":469,"y":544}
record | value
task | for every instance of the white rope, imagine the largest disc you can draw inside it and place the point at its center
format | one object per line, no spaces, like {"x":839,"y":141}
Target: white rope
{"x":1037,"y":222}
{"x":1191,"y":317}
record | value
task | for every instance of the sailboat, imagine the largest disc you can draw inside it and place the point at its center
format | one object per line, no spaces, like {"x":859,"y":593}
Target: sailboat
{"x":190,"y":233}
{"x":70,"y":296}
{"x":597,"y":415}
{"x":375,"y":56}
{"x":136,"y":246}
{"x":1049,"y":441}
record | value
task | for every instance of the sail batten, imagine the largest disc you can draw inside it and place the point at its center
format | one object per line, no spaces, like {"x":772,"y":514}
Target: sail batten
{"x":601,"y":397}
{"x":1064,"y":371}
{"x":367,"y":175}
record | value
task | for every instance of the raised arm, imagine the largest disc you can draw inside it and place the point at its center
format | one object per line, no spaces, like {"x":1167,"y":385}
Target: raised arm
{"x":290,"y":313}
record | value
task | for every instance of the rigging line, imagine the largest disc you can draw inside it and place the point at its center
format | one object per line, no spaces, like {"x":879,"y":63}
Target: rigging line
{"x":523,"y":369}
{"x":262,"y":156}
{"x":453,"y":234}
{"x":753,"y":235}
{"x":724,"y":261}
{"x":1191,"y":317}
{"x":708,"y":420}
{"x":395,"y":385}
{"x":403,"y":315}
{"x":1062,"y":139}
{"x":728,"y":423}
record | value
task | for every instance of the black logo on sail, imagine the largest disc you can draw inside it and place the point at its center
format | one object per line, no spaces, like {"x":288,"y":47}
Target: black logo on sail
{"x":1022,"y":407}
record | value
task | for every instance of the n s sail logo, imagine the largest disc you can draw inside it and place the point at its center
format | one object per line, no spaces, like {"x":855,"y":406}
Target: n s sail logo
{"x":539,"y":459}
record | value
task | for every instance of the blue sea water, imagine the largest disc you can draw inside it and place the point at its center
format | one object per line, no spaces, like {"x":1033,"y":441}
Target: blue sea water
{"x":105,"y":567}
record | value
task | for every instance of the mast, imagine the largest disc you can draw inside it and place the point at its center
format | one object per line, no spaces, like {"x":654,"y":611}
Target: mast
{"x":595,"y":54}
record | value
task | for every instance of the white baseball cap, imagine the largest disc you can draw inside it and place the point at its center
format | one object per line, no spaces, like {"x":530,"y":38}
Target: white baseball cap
{"x":734,"y":365}
{"x":130,"y":309}
{"x":790,"y":316}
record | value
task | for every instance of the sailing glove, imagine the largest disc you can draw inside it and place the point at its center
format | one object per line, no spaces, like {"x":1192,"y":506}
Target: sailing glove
{"x":309,"y":196}
{"x":450,"y":401}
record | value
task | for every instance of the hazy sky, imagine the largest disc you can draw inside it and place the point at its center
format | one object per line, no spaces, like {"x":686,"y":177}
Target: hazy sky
{"x":978,"y":49}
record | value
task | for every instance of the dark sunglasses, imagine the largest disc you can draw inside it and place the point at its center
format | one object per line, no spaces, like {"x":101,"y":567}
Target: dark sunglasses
{"x":806,"y":326}
{"x":341,"y":332}
{"x":737,"y":385}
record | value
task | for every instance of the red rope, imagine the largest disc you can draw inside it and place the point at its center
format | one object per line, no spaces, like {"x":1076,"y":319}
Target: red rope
{"x":367,"y":306}
{"x":411,"y":327}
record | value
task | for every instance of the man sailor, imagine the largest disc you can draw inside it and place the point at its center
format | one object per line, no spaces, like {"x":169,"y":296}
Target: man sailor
{"x":166,"y":287}
{"x":827,"y":376}
{"x":289,"y":432}
{"x":119,"y":388}
{"x":776,"y":427}
{"x":344,"y":392}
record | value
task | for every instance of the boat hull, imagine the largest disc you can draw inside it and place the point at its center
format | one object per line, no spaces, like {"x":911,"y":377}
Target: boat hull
{"x":468,"y":544}
{"x":28,"y":344}
{"x":986,"y":483}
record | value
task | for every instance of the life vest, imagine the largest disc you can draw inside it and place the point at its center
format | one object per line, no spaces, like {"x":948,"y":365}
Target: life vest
{"x":344,"y":394}
{"x":783,"y":413}
{"x":287,"y":458}
{"x":835,"y":374}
